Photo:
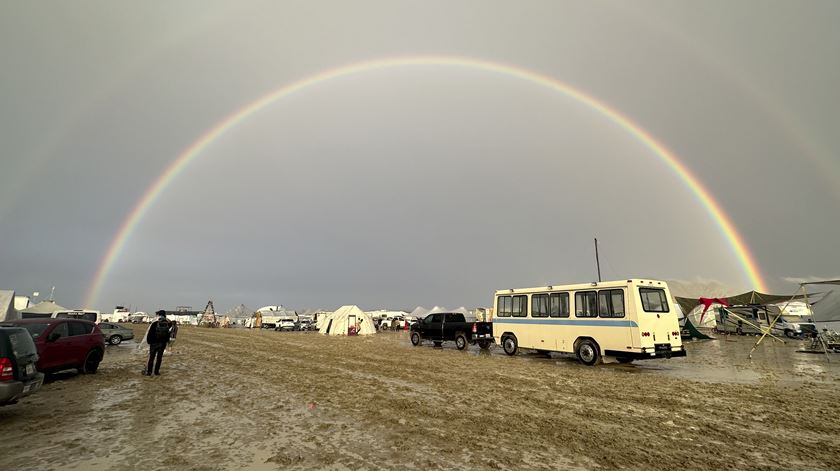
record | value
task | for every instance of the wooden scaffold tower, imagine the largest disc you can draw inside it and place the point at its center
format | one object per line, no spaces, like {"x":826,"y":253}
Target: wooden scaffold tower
{"x":208,"y":317}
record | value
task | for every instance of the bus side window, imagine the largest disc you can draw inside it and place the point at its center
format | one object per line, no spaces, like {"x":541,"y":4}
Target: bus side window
{"x":504,"y":306}
{"x":611,"y":303}
{"x":539,"y":305}
{"x":519,"y":308}
{"x":586,"y":304}
{"x":559,"y":305}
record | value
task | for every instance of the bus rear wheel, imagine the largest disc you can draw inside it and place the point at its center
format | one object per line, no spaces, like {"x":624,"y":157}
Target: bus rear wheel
{"x":588,"y":352}
{"x":510,"y":345}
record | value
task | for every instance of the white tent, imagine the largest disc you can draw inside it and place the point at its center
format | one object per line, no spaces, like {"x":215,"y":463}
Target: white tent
{"x":345,"y":317}
{"x":7,"y":306}
{"x":419,"y":312}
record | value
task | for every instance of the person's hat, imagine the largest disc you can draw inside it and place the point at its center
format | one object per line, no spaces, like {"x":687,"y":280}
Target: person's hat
{"x":161,"y":313}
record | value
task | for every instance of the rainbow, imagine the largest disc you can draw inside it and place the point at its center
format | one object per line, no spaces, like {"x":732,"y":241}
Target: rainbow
{"x":703,"y":196}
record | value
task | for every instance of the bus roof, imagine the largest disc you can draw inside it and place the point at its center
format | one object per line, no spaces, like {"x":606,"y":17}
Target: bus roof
{"x":584,"y":286}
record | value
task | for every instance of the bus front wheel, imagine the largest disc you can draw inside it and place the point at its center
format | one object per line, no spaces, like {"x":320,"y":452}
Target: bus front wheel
{"x":588,"y":352}
{"x":510,"y":345}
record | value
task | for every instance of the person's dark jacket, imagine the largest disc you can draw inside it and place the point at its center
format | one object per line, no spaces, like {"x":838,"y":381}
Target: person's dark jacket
{"x":153,"y":336}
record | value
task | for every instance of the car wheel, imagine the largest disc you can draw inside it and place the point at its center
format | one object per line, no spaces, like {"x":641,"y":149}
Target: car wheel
{"x":115,"y":340}
{"x":415,"y":339}
{"x":588,"y":352}
{"x":461,"y":342}
{"x":91,"y":364}
{"x":789,"y":334}
{"x":510,"y":345}
{"x":484,"y":344}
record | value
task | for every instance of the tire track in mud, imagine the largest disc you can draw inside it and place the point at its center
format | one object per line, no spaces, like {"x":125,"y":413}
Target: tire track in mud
{"x":267,"y":400}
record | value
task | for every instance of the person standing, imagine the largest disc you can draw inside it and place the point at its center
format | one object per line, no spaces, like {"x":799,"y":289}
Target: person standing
{"x":157,"y":339}
{"x":173,"y":332}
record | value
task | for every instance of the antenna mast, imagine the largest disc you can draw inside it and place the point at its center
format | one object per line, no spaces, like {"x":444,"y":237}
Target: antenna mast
{"x":597,"y":260}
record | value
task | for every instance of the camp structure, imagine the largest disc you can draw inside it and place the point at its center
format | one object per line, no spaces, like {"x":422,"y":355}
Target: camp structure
{"x":208,"y":318}
{"x":42,"y":309}
{"x":700,"y":312}
{"x":348,"y":320}
{"x":826,"y":318}
{"x":7,"y":306}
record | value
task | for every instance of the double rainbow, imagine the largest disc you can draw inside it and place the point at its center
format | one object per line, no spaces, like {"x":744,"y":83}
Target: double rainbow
{"x":703,"y":196}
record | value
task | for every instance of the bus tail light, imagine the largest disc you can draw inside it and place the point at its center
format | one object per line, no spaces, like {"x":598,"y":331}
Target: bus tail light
{"x":645,"y":334}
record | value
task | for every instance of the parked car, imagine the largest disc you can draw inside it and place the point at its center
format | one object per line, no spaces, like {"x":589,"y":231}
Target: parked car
{"x":65,"y":344}
{"x":306,"y":324}
{"x":451,"y":326}
{"x":19,"y":376}
{"x":286,"y":324}
{"x":115,"y":333}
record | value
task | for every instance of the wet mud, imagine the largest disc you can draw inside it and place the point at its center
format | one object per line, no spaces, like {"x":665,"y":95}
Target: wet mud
{"x":262,"y":400}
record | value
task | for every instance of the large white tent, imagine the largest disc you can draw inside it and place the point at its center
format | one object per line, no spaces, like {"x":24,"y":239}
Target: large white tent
{"x":345,"y":317}
{"x":7,"y":306}
{"x":419,"y":312}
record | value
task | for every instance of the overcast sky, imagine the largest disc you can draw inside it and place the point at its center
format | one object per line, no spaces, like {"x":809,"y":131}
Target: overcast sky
{"x":412,"y":186}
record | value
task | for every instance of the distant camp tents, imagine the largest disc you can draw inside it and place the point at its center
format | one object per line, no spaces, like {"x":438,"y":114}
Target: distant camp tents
{"x":348,"y":320}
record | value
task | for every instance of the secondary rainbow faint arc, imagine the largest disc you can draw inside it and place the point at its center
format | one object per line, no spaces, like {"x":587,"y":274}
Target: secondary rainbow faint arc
{"x":712,"y":207}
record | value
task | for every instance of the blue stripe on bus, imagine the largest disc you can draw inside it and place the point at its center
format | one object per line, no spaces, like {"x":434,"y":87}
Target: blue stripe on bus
{"x":549,"y":321}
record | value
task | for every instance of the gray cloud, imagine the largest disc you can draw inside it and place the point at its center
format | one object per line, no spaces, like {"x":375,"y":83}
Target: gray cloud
{"x":430,"y":185}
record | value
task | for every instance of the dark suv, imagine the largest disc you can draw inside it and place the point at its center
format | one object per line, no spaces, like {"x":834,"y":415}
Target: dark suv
{"x":18,"y":374}
{"x":65,"y":344}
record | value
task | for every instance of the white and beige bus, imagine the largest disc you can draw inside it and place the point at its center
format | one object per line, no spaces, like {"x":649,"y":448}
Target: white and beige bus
{"x":626,"y":320}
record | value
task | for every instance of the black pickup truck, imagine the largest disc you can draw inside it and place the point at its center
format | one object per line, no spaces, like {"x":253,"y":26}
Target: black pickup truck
{"x":451,"y":326}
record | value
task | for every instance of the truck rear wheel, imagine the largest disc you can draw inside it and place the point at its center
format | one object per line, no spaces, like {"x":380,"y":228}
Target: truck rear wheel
{"x":461,"y":341}
{"x":484,"y":344}
{"x":510,"y":345}
{"x":415,"y":339}
{"x":588,"y":352}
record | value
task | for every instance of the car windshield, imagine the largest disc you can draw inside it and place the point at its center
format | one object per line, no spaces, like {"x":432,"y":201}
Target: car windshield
{"x":36,"y":329}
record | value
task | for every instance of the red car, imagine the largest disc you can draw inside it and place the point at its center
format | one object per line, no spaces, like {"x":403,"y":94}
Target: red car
{"x":64,"y":344}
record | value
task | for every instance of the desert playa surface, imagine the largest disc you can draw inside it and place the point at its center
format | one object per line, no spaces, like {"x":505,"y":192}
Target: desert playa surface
{"x":260,"y":400}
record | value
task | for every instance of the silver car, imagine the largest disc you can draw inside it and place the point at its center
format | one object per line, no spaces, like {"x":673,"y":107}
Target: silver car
{"x":115,"y":333}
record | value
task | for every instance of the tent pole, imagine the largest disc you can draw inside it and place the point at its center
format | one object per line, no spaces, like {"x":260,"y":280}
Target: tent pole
{"x":801,"y":288}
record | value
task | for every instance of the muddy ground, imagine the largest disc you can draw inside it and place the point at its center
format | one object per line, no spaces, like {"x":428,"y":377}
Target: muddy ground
{"x":239,"y":399}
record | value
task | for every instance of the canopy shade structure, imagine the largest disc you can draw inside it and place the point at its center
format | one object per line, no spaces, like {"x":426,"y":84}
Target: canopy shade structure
{"x":750,"y":297}
{"x":44,"y":307}
{"x":348,"y":319}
